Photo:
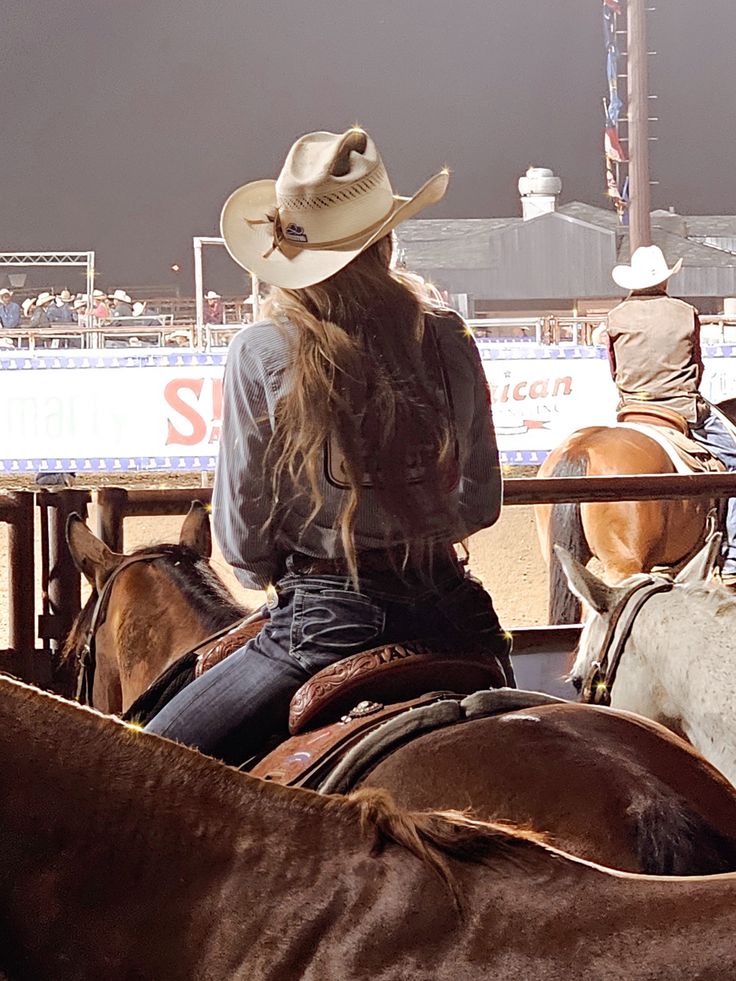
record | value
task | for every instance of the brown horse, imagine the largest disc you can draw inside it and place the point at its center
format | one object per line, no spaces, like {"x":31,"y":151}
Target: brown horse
{"x":126,"y":856}
{"x":612,"y":788}
{"x":625,"y":536}
{"x":199,"y":601}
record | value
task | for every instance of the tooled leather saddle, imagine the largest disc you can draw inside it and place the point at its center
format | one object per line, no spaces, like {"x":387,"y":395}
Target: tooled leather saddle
{"x":669,"y":426}
{"x":339,"y":705}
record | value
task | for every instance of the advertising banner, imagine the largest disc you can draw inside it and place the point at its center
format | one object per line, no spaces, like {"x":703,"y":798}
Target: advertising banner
{"x":161,"y":410}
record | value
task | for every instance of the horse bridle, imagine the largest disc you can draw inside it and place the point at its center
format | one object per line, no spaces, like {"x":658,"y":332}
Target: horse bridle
{"x":602,"y":674}
{"x":88,"y":655}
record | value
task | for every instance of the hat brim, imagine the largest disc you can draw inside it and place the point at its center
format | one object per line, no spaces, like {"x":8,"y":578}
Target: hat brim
{"x":249,"y":243}
{"x":629,"y":278}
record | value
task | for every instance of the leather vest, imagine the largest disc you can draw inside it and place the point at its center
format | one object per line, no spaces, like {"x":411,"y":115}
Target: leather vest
{"x":653,"y":343}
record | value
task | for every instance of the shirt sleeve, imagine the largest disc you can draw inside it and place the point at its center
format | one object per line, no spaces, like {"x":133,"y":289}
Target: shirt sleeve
{"x":242,"y":495}
{"x":480,"y":480}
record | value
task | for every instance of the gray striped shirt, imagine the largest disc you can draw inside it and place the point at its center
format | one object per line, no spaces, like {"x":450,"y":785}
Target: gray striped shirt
{"x":256,"y":377}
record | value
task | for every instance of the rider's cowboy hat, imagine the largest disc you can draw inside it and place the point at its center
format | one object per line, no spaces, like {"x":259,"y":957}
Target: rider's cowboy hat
{"x":648,"y":268}
{"x":43,"y":298}
{"x":65,"y":296}
{"x":122,"y":296}
{"x":211,"y":295}
{"x":5,"y":291}
{"x":331,"y":201}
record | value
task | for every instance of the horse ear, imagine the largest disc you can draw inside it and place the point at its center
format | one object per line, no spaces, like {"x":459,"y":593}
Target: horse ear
{"x":195,"y":532}
{"x":700,"y":567}
{"x":90,"y":554}
{"x":584,"y":584}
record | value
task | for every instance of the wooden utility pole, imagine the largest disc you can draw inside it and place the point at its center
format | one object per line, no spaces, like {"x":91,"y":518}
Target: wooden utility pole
{"x":640,"y":229}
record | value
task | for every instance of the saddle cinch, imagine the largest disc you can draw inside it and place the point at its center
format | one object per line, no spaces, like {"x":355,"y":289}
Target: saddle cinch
{"x":340,"y":705}
{"x":671,"y":431}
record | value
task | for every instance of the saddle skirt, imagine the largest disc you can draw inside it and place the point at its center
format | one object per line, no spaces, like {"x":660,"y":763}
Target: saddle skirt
{"x":334,"y":759}
{"x":670,"y":431}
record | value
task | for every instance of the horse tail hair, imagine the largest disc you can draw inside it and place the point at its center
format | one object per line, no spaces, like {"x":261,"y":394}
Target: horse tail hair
{"x":673,"y":839}
{"x":566,"y":529}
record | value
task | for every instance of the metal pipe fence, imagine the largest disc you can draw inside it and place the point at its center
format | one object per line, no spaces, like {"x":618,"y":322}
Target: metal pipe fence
{"x":60,"y":580}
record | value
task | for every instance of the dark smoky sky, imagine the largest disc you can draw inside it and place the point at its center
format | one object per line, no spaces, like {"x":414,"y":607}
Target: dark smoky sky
{"x":126,"y":123}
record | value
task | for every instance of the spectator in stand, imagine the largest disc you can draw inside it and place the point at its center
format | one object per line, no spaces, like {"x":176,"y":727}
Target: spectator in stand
{"x":61,"y":310}
{"x":100,"y":311}
{"x":145,"y":315}
{"x":9,"y":311}
{"x":213,"y":308}
{"x":81,"y":311}
{"x":121,"y":307}
{"x":40,"y":317}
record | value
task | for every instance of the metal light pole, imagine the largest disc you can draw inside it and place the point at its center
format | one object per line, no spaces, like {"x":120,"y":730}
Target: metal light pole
{"x":640,"y":229}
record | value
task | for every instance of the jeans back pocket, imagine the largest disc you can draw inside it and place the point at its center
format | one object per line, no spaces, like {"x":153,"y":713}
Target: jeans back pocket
{"x":330,"y":624}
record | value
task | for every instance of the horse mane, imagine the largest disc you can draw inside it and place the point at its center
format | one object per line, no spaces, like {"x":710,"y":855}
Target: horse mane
{"x":185,"y":777}
{"x":438,"y":837}
{"x":192,"y":575}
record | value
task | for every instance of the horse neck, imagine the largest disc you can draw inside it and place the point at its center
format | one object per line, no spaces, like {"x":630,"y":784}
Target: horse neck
{"x":679,"y":667}
{"x":153,"y":619}
{"x":150,"y":828}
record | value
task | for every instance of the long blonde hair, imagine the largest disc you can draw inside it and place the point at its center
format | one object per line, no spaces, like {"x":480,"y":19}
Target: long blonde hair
{"x":362,"y":377}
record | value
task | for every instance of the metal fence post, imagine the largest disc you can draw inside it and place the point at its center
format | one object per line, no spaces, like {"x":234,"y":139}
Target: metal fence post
{"x":61,"y":580}
{"x":111,"y":510}
{"x":22,"y":584}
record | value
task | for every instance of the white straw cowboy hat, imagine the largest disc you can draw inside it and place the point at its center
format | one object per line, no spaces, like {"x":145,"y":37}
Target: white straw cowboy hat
{"x":332,"y":200}
{"x":138,"y":308}
{"x":65,"y":296}
{"x":122,"y":296}
{"x":648,"y":268}
{"x":27,"y":304}
{"x":5,"y":291}
{"x":44,"y":298}
{"x":211,"y":295}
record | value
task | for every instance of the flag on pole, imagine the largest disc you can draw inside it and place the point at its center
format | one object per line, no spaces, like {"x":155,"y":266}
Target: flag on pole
{"x":614,"y":150}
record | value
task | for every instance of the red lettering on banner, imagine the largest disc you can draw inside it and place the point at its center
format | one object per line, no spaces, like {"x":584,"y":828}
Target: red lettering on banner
{"x":538,"y":388}
{"x":197,"y":425}
{"x":216,"y":405}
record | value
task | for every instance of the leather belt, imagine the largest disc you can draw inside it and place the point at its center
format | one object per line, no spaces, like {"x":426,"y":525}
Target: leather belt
{"x":391,"y":561}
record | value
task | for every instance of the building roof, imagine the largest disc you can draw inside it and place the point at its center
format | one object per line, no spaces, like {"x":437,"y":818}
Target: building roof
{"x":567,"y":253}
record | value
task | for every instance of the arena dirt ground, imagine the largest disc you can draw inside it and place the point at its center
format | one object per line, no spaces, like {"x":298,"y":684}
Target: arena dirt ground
{"x":506,"y":557}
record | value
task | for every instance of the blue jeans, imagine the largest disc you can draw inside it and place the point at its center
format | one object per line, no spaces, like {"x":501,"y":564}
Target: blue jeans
{"x":712,"y":434}
{"x":232,"y":709}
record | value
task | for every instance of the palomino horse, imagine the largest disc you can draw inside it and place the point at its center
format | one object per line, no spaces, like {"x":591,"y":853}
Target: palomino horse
{"x":665,"y":650}
{"x":617,"y":790}
{"x":625,"y":536}
{"x":127,"y":856}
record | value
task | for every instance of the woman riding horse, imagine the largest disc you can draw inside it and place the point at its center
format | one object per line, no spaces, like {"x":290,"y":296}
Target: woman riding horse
{"x":654,"y":348}
{"x":357,"y":446}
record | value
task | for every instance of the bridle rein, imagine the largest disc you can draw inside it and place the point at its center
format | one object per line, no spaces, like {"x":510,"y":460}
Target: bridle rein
{"x":596,"y":689}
